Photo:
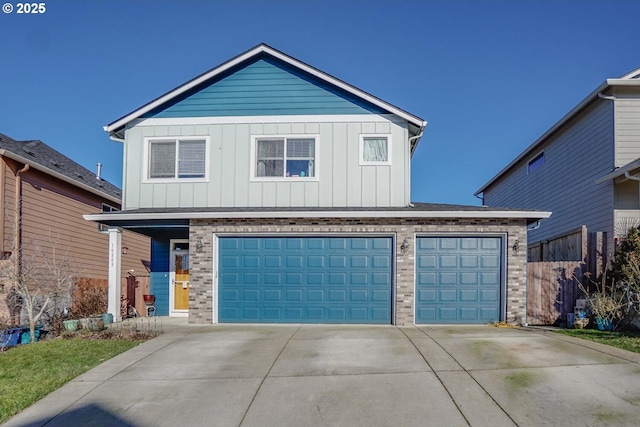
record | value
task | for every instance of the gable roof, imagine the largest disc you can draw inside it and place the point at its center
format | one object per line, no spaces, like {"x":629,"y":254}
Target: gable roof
{"x":115,"y":128}
{"x":630,"y":79}
{"x":42,"y":157}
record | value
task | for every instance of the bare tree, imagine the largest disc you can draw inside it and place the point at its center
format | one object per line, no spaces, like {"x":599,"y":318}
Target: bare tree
{"x":38,"y":280}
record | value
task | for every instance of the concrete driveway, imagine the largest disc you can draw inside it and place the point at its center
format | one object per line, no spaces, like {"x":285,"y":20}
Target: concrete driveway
{"x":320,"y":375}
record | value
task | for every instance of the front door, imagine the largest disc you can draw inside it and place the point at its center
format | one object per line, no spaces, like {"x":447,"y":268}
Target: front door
{"x":179,"y":284}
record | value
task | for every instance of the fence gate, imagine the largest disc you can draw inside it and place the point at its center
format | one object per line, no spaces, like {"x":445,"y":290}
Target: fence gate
{"x":552,"y":291}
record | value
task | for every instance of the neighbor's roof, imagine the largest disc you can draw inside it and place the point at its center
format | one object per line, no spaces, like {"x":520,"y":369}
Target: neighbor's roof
{"x":629,"y":79}
{"x":117,"y":126}
{"x":415,"y":210}
{"x":40,"y":156}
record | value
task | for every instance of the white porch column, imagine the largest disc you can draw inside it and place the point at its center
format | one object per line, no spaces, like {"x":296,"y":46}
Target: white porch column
{"x":115,"y":255}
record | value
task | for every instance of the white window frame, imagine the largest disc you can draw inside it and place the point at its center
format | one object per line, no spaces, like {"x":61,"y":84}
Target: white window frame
{"x":254,"y":160}
{"x":176,"y":139}
{"x":361,"y":159}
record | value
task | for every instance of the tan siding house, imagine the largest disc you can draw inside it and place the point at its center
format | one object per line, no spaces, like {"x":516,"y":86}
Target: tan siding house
{"x":49,"y":193}
{"x":577,"y":168}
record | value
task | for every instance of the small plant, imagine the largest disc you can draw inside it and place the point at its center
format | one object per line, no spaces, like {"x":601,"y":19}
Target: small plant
{"x":88,"y":300}
{"x":607,"y":302}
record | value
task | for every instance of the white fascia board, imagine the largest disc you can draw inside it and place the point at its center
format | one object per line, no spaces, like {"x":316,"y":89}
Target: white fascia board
{"x":623,"y":82}
{"x":321,"y":214}
{"x":58,"y":175}
{"x":243,"y":57}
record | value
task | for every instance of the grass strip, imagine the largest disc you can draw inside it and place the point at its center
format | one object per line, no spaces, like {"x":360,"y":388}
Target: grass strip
{"x":30,"y":372}
{"x":625,"y":340}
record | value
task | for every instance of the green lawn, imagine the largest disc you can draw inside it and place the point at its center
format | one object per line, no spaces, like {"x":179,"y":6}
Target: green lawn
{"x":30,"y":372}
{"x":624,"y":340}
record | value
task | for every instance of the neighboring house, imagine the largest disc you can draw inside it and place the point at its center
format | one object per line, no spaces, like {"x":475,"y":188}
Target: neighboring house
{"x":584,"y":169}
{"x":274,"y":192}
{"x":43,"y":195}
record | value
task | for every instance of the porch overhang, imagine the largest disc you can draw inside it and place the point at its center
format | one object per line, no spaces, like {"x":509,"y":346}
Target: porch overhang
{"x":147,"y":218}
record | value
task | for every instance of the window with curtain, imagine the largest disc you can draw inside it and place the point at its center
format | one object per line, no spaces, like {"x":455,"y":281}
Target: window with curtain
{"x":177,"y":159}
{"x":285,"y":157}
{"x":374,"y":150}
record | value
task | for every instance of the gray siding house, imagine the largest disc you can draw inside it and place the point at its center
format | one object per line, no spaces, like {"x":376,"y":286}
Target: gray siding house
{"x":584,"y":169}
{"x":274,"y":192}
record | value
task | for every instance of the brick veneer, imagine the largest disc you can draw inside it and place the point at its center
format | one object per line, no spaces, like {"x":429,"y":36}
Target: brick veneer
{"x":201,"y":296}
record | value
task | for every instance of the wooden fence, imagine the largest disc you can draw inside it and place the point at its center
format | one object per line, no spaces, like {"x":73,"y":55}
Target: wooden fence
{"x":556,"y":267}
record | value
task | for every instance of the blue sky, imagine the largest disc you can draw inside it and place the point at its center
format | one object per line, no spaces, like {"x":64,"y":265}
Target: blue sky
{"x":489,"y":76}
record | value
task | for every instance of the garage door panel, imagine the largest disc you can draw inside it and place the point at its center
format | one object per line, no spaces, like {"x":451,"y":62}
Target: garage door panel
{"x":297,"y":279}
{"x":272,"y":295}
{"x":427,"y":295}
{"x":469,"y":295}
{"x":426,"y":261}
{"x":458,"y":279}
{"x":251,"y":295}
{"x":447,"y":295}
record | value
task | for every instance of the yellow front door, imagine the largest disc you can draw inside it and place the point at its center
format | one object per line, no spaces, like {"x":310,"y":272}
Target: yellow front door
{"x":180,"y":283}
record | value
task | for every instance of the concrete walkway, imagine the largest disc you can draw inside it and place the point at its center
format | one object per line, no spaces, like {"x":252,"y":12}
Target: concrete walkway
{"x":322,"y":375}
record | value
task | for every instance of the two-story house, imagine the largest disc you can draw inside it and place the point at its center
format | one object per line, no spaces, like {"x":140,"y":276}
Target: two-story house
{"x":43,"y":195}
{"x":274,"y":192}
{"x":585,"y":168}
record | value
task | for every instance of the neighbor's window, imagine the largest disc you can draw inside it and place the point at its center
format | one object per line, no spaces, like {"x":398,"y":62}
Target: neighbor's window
{"x":374,"y":150}
{"x":177,"y":159}
{"x":536,"y":162}
{"x":285,"y":157}
{"x":104,"y":228}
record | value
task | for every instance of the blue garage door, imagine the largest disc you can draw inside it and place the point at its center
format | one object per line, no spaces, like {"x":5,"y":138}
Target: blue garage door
{"x":305,"y":279}
{"x":458,"y":279}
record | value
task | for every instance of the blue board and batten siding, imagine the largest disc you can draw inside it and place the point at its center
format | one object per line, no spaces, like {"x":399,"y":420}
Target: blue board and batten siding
{"x":458,"y":279}
{"x":266,"y":87}
{"x":159,"y":275}
{"x":305,"y":280}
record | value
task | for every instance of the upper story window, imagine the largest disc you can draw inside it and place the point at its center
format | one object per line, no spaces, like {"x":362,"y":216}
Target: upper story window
{"x":284,"y":157}
{"x":536,"y":162}
{"x":173,"y":159}
{"x":374,"y":149}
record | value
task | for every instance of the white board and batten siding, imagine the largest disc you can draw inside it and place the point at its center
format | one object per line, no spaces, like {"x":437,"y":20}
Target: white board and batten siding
{"x":574,"y":157}
{"x":341,"y":180}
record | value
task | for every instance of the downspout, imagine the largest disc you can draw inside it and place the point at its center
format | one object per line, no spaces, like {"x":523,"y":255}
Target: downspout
{"x":410,"y":140}
{"x":18,"y":218}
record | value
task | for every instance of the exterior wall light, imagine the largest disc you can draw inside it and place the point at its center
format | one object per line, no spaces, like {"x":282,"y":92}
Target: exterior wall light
{"x":516,"y":247}
{"x":199,"y":245}
{"x":125,"y":250}
{"x":404,"y":247}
